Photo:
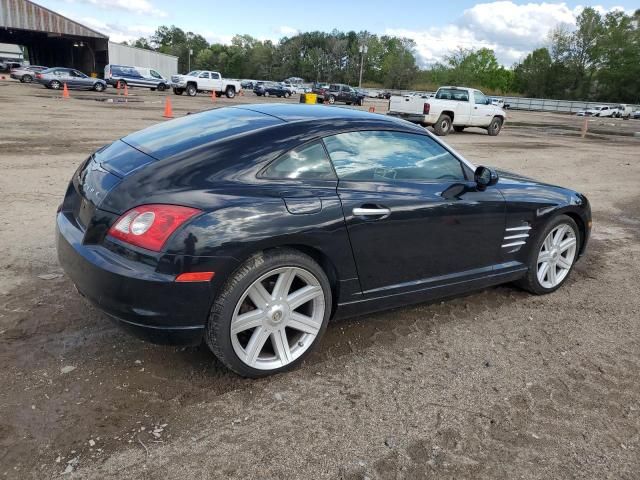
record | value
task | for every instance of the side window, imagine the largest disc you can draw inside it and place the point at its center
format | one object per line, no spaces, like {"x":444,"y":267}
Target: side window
{"x":204,"y":75}
{"x":215,"y":76}
{"x":391,"y":156}
{"x":480,"y":98}
{"x":308,"y":162}
{"x":345,"y":88}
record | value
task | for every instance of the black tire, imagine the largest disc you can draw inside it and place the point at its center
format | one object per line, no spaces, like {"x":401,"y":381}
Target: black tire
{"x":55,"y":84}
{"x":442,"y":125}
{"x":230,"y":92}
{"x":348,"y":103}
{"x":98,"y":86}
{"x":217,"y":332}
{"x":332,"y":99}
{"x":161,"y":87}
{"x":458,"y":128}
{"x":287,"y":95}
{"x":530,"y":281}
{"x":191,"y":90}
{"x":495,"y":126}
{"x":178,"y":91}
{"x":26,"y":79}
{"x":152,"y":89}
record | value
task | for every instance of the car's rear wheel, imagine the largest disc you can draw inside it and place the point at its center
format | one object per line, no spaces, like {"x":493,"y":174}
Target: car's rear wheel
{"x":230,"y":92}
{"x":270,"y":314}
{"x":55,"y":84}
{"x":495,"y":126}
{"x":552,"y":257}
{"x":192,"y":90}
{"x":443,"y":125}
{"x":26,"y":79}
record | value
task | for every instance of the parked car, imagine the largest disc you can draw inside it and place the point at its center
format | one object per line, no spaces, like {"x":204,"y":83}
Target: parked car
{"x":260,"y":87}
{"x":338,"y":92}
{"x":204,"y":81}
{"x":457,"y":107}
{"x":598,"y":111}
{"x":8,"y":65}
{"x":278,"y":90}
{"x":254,"y":231}
{"x":290,"y":87}
{"x":135,"y":77}
{"x":623,"y":111}
{"x":636,"y":114}
{"x":57,"y":77}
{"x":247,"y":84}
{"x":27,"y":73}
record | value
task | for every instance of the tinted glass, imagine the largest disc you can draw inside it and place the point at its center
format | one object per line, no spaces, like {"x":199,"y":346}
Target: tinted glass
{"x":215,"y":76}
{"x":307,"y":162}
{"x":204,"y":75}
{"x":192,"y":131}
{"x":452,"y":94}
{"x":391,"y":156}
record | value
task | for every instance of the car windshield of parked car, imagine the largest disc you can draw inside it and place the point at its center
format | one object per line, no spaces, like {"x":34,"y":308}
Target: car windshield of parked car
{"x":307,"y":162}
{"x":391,"y":156}
{"x":452,"y":94}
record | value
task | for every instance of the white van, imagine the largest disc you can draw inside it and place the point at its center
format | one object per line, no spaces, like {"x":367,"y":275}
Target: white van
{"x":135,"y":77}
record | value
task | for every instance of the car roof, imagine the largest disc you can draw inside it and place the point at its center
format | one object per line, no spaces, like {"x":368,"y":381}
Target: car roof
{"x":288,"y":112}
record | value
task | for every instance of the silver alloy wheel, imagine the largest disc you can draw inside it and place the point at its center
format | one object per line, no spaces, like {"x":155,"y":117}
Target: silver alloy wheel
{"x":55,"y":84}
{"x":444,"y":125}
{"x":277,"y":318}
{"x":556,"y":256}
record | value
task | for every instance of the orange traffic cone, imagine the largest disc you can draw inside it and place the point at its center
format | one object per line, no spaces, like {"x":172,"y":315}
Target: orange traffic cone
{"x":168,"y":111}
{"x":126,"y":90}
{"x":213,"y":96}
{"x":372,"y":109}
{"x":65,"y":91}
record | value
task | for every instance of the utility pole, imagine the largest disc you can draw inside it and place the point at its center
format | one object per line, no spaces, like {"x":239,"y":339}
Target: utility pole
{"x":189,"y":35}
{"x":363,"y":51}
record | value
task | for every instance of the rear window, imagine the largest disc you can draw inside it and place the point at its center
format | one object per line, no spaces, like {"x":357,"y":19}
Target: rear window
{"x":452,"y":94}
{"x":195,"y":131}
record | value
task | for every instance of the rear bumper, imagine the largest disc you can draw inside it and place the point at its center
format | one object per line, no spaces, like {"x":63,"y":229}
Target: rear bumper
{"x":149,"y":304}
{"x":411,"y":117}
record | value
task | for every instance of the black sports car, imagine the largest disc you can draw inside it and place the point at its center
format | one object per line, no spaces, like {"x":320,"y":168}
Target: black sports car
{"x":250,"y":226}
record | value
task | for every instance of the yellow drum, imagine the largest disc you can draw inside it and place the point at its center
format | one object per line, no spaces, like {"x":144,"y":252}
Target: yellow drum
{"x":310,"y":98}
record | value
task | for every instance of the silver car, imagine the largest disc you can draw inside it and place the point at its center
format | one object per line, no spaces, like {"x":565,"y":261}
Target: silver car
{"x":27,"y":73}
{"x":57,"y":77}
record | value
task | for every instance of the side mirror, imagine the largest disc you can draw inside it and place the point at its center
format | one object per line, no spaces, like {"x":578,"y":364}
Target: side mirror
{"x":485,"y":177}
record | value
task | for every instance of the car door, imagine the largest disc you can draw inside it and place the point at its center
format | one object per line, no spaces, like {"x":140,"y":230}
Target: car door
{"x":65,"y":76}
{"x":204,"y":81}
{"x":412,"y":214}
{"x":216,"y":81}
{"x":482,"y":111}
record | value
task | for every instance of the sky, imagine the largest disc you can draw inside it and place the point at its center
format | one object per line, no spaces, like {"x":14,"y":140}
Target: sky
{"x":510,"y":28}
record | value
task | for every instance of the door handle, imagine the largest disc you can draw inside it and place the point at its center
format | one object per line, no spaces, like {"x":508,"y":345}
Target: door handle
{"x":370,"y":212}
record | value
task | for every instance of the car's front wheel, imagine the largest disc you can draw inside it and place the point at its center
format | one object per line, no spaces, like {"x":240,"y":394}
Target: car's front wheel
{"x":270,"y":314}
{"x":495,"y":126}
{"x":332,"y":99}
{"x":98,"y":86}
{"x":552,"y":257}
{"x":26,"y":79}
{"x":162,"y":87}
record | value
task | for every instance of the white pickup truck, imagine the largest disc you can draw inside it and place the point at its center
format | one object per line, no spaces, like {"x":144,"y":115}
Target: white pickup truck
{"x":456,"y":107}
{"x":204,"y":81}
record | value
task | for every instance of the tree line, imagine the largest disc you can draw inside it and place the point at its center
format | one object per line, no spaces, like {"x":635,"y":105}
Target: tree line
{"x":598,"y":60}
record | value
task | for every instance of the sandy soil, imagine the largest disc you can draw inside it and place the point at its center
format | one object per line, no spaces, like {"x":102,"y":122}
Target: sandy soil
{"x":497,"y":384}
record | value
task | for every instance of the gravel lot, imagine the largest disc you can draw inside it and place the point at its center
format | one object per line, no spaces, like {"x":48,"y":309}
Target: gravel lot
{"x":498,"y":384}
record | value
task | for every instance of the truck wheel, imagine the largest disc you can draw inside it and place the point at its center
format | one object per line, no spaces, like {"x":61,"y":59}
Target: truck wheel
{"x":178,"y":91}
{"x":495,"y":127}
{"x":230,"y":92}
{"x":192,"y":91}
{"x":443,"y":125}
{"x":458,"y":128}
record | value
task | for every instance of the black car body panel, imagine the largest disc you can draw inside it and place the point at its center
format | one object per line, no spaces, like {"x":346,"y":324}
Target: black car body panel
{"x":443,"y":237}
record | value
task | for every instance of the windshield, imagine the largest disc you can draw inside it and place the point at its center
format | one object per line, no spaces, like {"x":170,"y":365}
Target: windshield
{"x":195,"y":73}
{"x":452,"y":94}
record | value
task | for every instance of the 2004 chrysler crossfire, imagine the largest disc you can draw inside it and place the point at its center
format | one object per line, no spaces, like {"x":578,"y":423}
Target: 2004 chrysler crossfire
{"x":252,"y":226}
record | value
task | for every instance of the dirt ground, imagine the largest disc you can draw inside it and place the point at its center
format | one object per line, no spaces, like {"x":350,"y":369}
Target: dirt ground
{"x":497,"y":384}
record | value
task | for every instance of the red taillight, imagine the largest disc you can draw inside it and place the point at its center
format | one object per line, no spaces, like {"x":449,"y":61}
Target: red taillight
{"x":38,"y":75}
{"x":425,"y":109}
{"x":149,"y":226}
